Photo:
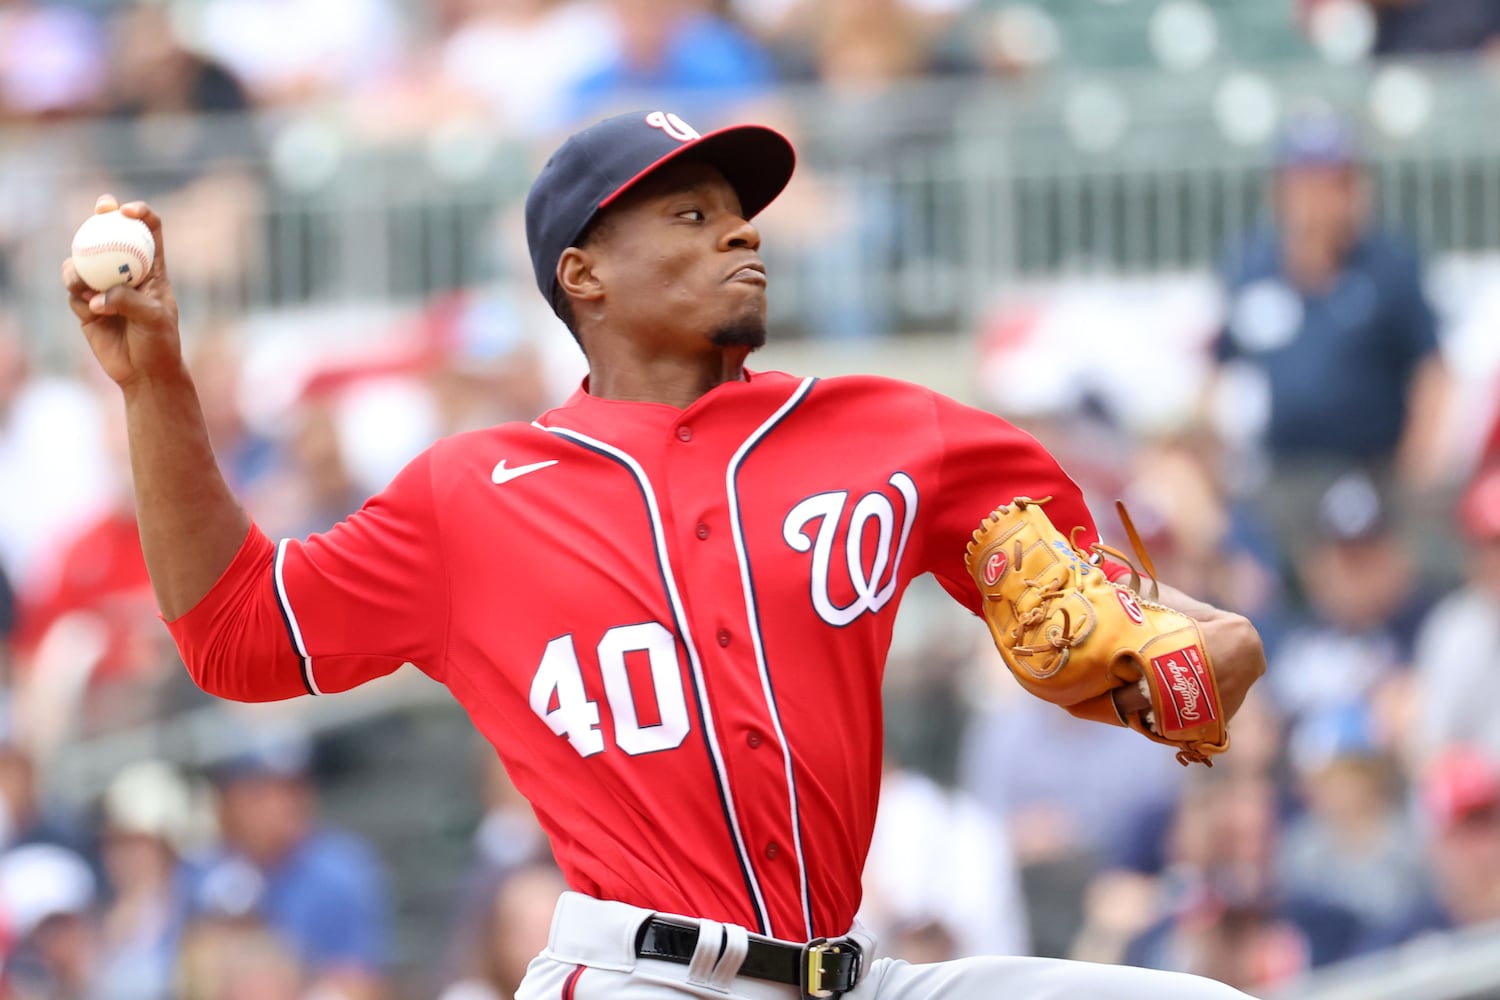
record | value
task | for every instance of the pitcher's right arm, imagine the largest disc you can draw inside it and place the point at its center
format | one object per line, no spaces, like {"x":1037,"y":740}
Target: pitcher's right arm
{"x":255,"y":621}
{"x":191,"y":525}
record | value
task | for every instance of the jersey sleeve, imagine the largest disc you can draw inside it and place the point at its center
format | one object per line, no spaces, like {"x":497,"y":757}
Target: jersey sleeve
{"x":331,"y":612}
{"x":987,"y":461}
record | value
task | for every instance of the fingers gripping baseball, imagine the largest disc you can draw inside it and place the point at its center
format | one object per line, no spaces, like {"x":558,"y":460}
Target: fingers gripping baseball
{"x":132,"y":330}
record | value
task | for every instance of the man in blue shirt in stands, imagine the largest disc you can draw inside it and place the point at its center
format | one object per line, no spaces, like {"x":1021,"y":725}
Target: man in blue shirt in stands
{"x":1329,"y":341}
{"x":323,"y":891}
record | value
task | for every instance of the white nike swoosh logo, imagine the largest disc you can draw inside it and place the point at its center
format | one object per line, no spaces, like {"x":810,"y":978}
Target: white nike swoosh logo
{"x":504,"y":475}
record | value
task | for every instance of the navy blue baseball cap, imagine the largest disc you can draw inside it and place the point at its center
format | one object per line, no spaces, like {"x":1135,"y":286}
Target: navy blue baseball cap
{"x":1317,"y":139}
{"x":598,"y":165}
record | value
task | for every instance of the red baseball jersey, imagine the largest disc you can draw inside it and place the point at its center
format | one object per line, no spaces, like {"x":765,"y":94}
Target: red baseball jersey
{"x":671,"y":623}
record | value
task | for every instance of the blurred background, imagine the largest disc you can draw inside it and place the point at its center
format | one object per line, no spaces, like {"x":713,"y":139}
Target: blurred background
{"x":1236,"y":261}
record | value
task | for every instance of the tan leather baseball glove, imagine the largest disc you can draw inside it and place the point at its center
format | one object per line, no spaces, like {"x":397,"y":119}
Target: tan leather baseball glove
{"x":1072,"y":636}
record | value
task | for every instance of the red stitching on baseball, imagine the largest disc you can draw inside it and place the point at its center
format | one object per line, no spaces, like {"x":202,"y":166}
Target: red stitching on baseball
{"x":130,"y":248}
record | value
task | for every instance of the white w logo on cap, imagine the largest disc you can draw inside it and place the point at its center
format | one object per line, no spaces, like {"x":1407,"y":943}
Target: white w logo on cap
{"x":672,"y":125}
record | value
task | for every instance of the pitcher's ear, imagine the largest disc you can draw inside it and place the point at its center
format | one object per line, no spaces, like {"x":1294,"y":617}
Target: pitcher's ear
{"x":576,"y":275}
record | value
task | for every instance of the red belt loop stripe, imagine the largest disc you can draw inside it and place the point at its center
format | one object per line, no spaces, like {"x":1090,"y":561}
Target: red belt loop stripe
{"x":570,"y":983}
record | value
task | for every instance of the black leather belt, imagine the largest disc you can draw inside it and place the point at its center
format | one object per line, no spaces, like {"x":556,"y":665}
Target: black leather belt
{"x":820,"y":968}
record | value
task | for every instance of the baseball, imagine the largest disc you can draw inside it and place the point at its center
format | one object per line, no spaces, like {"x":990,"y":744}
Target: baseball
{"x":112,"y":249}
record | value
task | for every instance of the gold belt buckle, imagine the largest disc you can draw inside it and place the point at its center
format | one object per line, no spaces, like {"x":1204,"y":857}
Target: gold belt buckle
{"x":813,"y":977}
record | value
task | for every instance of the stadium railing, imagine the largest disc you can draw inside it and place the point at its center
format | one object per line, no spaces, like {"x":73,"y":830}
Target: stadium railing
{"x":914,"y":210}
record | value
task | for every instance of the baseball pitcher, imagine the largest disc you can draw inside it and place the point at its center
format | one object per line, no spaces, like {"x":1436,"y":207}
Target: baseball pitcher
{"x":667,"y":602}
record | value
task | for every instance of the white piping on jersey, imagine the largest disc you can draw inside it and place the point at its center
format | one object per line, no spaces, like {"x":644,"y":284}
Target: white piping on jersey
{"x":291,"y":619}
{"x":699,"y":679}
{"x":754,"y":616}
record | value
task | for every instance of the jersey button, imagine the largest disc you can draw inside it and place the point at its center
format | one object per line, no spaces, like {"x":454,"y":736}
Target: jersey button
{"x":684,"y":433}
{"x":753,"y":739}
{"x":702,"y":532}
{"x":723,"y":637}
{"x":772,"y":849}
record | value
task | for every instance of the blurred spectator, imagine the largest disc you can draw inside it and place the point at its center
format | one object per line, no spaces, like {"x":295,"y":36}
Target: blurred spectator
{"x":51,"y":60}
{"x":175,"y":136}
{"x":1010,"y":40}
{"x":1141,"y":864}
{"x":679,"y":52}
{"x":1364,"y":607}
{"x":24,"y":819}
{"x":51,"y":439}
{"x":1461,"y":791}
{"x":929,"y":679}
{"x":152,"y":73}
{"x":1457,"y":679}
{"x":509,"y":836}
{"x":864,"y":222}
{"x":226,"y":957}
{"x":798,"y":29}
{"x":1329,"y":353}
{"x":522,"y":60}
{"x":867,"y":45}
{"x":47,"y":934}
{"x":311,"y":488}
{"x":146,"y":814}
{"x":352,"y":421}
{"x":99,"y":583}
{"x":291,"y":52}
{"x":163,"y":100}
{"x":512,"y":931}
{"x":245,"y":454}
{"x":488,"y":360}
{"x":1063,"y":807}
{"x":1227,"y":918}
{"x":382,"y":423}
{"x":508,"y":842}
{"x":323,"y":891}
{"x":92,"y":655}
{"x":940,"y":877}
{"x":1201,"y":540}
{"x":1421,"y":27}
{"x":1354,"y":845}
{"x":851,"y":45}
{"x":1182,"y":519}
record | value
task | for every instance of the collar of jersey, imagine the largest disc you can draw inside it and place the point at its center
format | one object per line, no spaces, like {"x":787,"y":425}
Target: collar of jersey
{"x":583,"y":411}
{"x":581,"y":395}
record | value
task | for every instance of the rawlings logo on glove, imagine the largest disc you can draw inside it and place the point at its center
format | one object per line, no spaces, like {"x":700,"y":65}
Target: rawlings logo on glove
{"x":1182,"y":673}
{"x":1072,"y":636}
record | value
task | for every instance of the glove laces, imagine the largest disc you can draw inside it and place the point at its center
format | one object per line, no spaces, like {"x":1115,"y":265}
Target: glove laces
{"x":1061,"y":637}
{"x":1142,"y":557}
{"x":1057,"y":638}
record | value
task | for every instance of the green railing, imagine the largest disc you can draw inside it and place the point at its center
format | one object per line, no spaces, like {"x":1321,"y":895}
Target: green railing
{"x":913,"y":209}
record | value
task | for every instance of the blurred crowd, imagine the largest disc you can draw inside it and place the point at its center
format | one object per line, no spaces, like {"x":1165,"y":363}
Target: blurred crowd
{"x":223,"y":884}
{"x":1332,"y":483}
{"x":241,"y":120}
{"x":536,"y":65}
{"x":1337,"y":487}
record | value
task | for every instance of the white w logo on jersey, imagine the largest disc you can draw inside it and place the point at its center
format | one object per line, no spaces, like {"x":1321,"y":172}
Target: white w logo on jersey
{"x":672,"y":125}
{"x":869,"y":594}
